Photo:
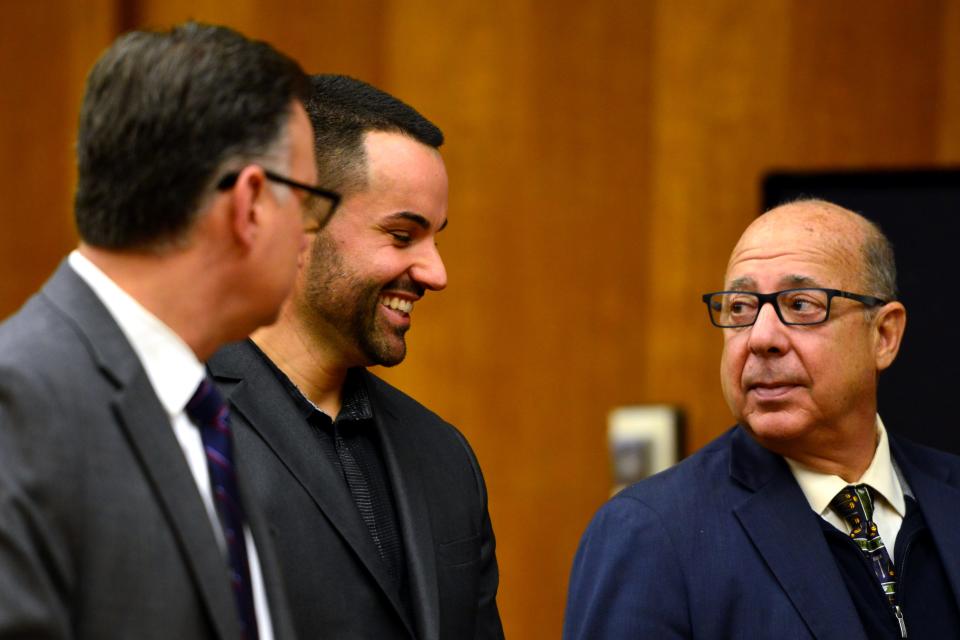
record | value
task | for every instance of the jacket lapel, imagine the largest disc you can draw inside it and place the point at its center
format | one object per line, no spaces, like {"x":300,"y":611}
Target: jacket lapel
{"x":402,"y":460}
{"x":786,"y":533}
{"x":163,"y":462}
{"x":263,"y":536}
{"x":934,"y":485}
{"x":267,"y":407}
{"x":144,"y":421}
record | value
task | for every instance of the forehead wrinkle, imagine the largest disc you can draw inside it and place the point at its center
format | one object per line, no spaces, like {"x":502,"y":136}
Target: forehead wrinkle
{"x":834,"y":256}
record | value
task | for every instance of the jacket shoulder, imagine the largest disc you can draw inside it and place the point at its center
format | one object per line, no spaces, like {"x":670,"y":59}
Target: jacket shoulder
{"x":921,"y":457}
{"x":707,"y":470}
{"x":409,"y":420}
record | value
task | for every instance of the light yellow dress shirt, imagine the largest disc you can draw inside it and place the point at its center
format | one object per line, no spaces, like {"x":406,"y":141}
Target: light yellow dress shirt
{"x":889,"y":488}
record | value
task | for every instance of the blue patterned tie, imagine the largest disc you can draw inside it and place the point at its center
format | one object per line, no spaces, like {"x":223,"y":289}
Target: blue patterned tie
{"x":855,"y":505}
{"x":208,"y":411}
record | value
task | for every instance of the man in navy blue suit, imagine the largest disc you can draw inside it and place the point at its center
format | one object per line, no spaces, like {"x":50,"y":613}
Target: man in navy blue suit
{"x":751,"y":536}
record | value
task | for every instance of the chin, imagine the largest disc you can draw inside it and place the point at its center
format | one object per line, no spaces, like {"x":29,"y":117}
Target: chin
{"x":777,"y":426}
{"x":390,"y":359}
{"x":386,"y":347}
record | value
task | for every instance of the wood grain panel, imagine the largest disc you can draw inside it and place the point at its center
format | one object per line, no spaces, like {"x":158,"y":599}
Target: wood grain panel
{"x":948,"y":103}
{"x":604,"y":157}
{"x":45,"y":49}
{"x":548,"y":162}
{"x":864,"y":83}
{"x":340,"y":37}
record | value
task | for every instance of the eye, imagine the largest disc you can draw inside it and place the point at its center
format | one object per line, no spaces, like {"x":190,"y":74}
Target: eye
{"x":803,"y":305}
{"x":401,"y":237}
{"x":742,"y":303}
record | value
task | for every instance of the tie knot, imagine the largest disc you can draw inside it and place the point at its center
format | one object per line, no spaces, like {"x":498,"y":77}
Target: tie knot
{"x":207,"y":407}
{"x":854,"y":504}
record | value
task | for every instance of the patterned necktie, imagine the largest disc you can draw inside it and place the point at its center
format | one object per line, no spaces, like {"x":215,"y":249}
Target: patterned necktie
{"x":855,"y":505}
{"x":208,"y":411}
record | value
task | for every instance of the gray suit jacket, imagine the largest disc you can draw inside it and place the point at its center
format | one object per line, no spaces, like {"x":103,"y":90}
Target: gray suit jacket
{"x":337,"y":584}
{"x":103,"y":533}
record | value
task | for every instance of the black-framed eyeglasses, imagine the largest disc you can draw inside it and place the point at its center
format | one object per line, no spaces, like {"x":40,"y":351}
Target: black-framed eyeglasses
{"x":811,"y":305}
{"x":319,"y":206}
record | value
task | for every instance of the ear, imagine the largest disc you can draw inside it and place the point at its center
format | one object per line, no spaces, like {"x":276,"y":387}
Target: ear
{"x":889,"y":324}
{"x":247,"y":201}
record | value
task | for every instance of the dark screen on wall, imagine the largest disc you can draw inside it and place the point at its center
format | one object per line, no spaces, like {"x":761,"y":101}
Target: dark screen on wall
{"x":919,"y":396}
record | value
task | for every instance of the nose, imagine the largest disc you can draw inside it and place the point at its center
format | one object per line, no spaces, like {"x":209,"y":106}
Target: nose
{"x":768,"y":335}
{"x":429,"y":270}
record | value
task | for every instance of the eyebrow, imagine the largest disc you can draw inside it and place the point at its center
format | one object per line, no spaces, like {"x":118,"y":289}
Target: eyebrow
{"x":742,"y":283}
{"x":417,"y":219}
{"x":746,"y":283}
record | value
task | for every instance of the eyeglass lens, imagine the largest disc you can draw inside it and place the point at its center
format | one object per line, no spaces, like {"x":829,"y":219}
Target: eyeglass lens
{"x":799,"y":306}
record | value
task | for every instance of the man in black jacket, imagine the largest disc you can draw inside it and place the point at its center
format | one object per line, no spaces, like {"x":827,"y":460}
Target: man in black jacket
{"x":379,"y":506}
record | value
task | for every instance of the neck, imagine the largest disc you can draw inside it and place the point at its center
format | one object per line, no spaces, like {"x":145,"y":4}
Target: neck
{"x":305,"y":359}
{"x":846,"y":453}
{"x":850,"y":470}
{"x":166,"y":285}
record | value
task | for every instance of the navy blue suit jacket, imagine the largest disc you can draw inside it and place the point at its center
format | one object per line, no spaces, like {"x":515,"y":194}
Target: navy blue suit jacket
{"x":725,"y":545}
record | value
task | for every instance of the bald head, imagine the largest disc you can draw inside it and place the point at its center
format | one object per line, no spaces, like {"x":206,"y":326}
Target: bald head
{"x":853,"y":244}
{"x":807,"y":390}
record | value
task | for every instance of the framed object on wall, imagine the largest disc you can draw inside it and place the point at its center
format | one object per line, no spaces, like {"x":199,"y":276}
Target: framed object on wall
{"x":644,"y":439}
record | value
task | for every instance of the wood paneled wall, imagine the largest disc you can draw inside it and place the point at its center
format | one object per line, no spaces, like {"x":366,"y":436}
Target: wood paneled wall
{"x":45,"y":50}
{"x":603,"y":157}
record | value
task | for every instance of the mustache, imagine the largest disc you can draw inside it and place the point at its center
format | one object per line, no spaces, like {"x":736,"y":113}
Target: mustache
{"x":405,"y":285}
{"x":770,"y":378}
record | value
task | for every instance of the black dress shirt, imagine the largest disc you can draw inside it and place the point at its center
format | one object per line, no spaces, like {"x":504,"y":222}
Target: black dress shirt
{"x":351,"y":444}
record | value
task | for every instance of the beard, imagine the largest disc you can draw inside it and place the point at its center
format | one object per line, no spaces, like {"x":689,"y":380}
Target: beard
{"x":344,"y":306}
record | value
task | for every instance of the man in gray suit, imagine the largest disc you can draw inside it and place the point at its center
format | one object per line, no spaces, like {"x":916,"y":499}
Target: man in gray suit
{"x":120,"y":515}
{"x":379,"y":504}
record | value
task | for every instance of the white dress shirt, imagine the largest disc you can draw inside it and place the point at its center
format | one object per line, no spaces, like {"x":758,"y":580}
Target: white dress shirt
{"x":889,"y":504}
{"x":175,"y":373}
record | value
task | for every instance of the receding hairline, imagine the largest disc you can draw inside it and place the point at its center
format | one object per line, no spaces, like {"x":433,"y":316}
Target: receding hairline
{"x":835,"y":226}
{"x":344,"y":111}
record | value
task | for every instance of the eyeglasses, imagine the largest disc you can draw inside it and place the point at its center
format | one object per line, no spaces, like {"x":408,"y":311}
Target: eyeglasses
{"x":732,"y":309}
{"x":319,"y":205}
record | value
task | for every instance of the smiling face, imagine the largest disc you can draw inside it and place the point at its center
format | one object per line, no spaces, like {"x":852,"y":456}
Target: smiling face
{"x":378,"y":254}
{"x":796,"y":386}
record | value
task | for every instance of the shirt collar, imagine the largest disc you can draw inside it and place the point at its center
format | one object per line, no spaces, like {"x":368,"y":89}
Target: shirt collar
{"x":355,"y":404}
{"x":172,"y":368}
{"x":881,"y":475}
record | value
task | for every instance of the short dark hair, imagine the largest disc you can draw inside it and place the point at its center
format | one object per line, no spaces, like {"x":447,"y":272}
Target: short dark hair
{"x":343,"y":110}
{"x":879,"y":263}
{"x":162,"y":114}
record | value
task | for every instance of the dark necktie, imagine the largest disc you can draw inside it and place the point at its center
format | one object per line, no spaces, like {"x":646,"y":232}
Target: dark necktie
{"x":208,"y":411}
{"x":855,"y":505}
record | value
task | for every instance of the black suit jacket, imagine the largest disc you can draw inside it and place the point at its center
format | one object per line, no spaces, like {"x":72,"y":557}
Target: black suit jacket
{"x":103,"y":533}
{"x":337,"y":583}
